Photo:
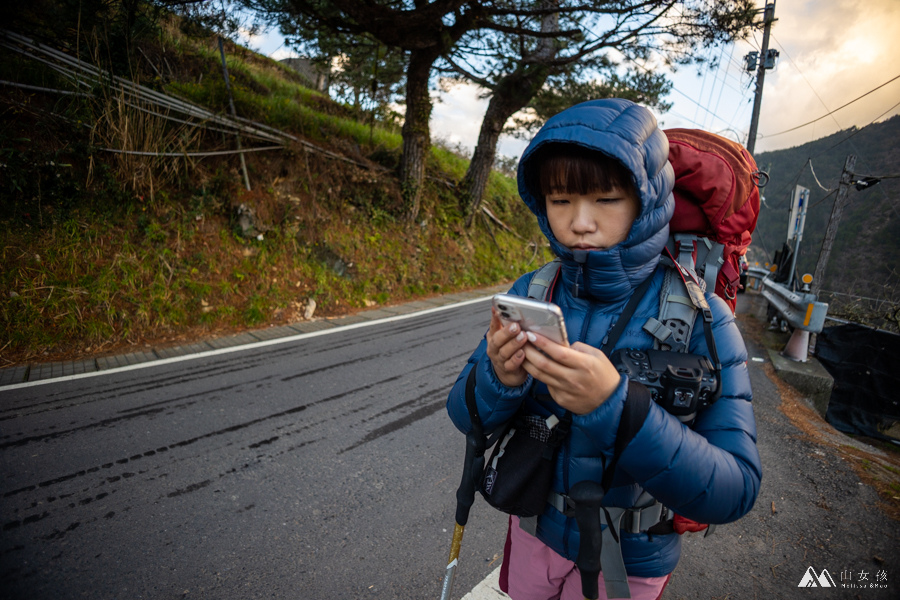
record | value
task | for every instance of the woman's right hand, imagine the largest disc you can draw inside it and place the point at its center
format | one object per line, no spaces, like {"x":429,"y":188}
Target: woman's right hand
{"x":505,"y":348}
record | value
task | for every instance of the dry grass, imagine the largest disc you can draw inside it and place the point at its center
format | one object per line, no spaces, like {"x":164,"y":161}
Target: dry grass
{"x":121,"y":124}
{"x":108,"y":252}
{"x":177,"y":268}
{"x":875,"y":463}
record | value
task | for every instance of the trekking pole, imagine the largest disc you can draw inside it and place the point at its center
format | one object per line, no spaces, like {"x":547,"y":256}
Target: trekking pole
{"x":465,"y":497}
{"x":587,"y":496}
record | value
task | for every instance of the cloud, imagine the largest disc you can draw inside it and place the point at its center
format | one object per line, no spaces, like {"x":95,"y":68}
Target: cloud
{"x":457,"y":114}
{"x":831,"y":53}
{"x":457,"y":117}
{"x":248,"y":38}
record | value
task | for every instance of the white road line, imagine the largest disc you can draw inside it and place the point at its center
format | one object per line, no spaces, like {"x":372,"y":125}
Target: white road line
{"x":251,"y":346}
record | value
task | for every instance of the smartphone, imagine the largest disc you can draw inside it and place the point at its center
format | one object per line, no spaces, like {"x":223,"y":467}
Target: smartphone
{"x":544,"y":318}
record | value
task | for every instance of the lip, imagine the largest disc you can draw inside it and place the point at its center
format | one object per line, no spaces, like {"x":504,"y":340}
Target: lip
{"x":585,"y":247}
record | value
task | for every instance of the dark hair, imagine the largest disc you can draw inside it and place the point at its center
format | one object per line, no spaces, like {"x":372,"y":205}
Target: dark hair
{"x":573,"y":169}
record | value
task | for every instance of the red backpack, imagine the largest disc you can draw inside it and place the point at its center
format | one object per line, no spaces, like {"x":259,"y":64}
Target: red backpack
{"x":716,"y":208}
{"x":716,"y":199}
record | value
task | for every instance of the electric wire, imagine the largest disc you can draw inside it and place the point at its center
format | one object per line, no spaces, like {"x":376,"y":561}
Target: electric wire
{"x":835,"y":110}
{"x":590,"y":33}
{"x":722,"y":88}
{"x":819,"y":97}
{"x":858,"y":129}
{"x":700,"y":95}
{"x":823,"y":199}
{"x":791,"y":60}
{"x":759,"y":238}
{"x":809,"y":162}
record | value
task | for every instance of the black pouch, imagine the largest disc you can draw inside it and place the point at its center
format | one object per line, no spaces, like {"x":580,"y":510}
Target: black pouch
{"x":518,"y":476}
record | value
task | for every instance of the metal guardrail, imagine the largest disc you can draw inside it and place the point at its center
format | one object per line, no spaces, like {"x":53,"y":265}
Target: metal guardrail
{"x":801,"y":309}
{"x":755,"y":276}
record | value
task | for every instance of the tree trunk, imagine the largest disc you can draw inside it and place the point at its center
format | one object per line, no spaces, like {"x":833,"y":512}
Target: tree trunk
{"x":512,"y":94}
{"x":476,"y":178}
{"x":416,"y":132}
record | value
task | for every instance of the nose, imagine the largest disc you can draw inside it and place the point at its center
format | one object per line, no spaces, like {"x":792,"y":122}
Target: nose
{"x":583,"y":220}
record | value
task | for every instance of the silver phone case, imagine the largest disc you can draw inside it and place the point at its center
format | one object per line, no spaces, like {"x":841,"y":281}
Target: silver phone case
{"x":543,"y":318}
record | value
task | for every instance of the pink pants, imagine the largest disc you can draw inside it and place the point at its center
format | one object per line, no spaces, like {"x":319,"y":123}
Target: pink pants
{"x":535,"y":572}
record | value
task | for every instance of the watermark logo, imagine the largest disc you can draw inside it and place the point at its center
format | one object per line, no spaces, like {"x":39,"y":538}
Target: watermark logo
{"x":850,"y":579}
{"x":810,"y":579}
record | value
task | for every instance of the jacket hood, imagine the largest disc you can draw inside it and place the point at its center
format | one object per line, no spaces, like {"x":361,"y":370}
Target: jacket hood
{"x":627,"y":132}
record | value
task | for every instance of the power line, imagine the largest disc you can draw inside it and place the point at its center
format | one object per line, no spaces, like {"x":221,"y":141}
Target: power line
{"x":835,"y":110}
{"x":823,"y":199}
{"x":702,"y":88}
{"x":858,"y":152}
{"x":724,"y":75}
{"x":783,"y":49}
{"x":860,"y":128}
{"x":588,"y":32}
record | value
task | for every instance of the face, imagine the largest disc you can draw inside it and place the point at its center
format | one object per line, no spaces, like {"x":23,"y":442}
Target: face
{"x":594,"y":221}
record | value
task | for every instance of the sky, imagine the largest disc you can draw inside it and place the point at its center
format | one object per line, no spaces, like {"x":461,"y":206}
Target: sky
{"x":831,"y":53}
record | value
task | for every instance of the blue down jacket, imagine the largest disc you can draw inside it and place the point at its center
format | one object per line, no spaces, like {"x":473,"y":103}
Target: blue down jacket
{"x":710,"y":473}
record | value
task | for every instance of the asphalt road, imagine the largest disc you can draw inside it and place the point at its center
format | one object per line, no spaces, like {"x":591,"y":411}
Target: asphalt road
{"x":326,"y":467}
{"x":812,"y":512}
{"x":320,"y":468}
{"x":813,"y":515}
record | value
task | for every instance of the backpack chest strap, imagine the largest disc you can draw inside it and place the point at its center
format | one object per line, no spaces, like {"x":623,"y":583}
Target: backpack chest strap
{"x":631,"y":520}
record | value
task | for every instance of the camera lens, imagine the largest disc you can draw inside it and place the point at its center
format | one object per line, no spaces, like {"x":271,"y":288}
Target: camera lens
{"x":501,"y":307}
{"x":505,"y":315}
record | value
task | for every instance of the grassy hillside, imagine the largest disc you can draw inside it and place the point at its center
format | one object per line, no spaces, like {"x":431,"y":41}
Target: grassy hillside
{"x":865,"y":258}
{"x":102,"y":252}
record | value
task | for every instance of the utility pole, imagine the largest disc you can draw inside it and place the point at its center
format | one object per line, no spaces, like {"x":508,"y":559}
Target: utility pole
{"x":768,"y":19}
{"x":831,"y":232}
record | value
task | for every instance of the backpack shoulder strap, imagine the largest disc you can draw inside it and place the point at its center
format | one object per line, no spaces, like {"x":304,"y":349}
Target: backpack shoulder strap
{"x":672,"y":329}
{"x":543,"y":279}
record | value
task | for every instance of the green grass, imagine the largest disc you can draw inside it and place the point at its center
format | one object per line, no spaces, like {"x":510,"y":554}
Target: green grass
{"x":97,"y":265}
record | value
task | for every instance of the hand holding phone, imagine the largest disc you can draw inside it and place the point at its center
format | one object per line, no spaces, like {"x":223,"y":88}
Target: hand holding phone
{"x":543,"y":318}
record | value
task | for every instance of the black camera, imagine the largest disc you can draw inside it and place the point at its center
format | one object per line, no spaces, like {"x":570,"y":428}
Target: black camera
{"x":679,"y":382}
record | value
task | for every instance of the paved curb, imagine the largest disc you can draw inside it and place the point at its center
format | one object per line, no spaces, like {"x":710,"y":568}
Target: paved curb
{"x":53,"y":370}
{"x":488,"y":589}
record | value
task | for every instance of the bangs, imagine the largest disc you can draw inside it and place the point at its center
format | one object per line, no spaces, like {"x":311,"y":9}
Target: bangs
{"x":571,"y":169}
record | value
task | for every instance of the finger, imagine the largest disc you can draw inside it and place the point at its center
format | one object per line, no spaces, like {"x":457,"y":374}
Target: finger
{"x":590,"y":351}
{"x":559,"y":353}
{"x":586,"y":349}
{"x":514,"y":363}
{"x":544,"y":368}
{"x":513,"y":346}
{"x":506,"y":331}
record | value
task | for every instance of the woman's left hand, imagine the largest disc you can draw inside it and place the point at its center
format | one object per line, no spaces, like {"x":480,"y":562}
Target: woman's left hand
{"x":580,"y":377}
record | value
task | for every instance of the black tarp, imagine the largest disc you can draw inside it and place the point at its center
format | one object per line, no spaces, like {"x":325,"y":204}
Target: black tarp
{"x":865,"y":364}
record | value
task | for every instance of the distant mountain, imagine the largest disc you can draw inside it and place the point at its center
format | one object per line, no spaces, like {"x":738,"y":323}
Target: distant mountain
{"x":865,"y":259}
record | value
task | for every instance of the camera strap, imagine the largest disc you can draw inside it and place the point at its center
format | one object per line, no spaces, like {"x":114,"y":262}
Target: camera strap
{"x":609,"y":342}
